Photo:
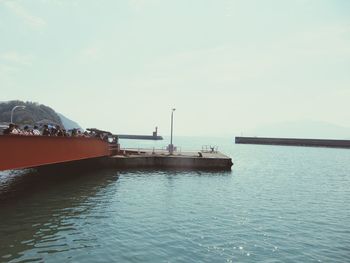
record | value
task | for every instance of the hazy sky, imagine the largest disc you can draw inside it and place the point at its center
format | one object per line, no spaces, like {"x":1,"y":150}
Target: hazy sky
{"x":226,"y":65}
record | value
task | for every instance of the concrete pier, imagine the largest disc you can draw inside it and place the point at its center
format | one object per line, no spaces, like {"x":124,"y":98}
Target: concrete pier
{"x":294,"y":142}
{"x":149,"y":159}
{"x":162,"y":159}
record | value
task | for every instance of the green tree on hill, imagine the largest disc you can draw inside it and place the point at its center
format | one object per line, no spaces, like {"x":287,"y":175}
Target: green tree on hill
{"x":33,"y":113}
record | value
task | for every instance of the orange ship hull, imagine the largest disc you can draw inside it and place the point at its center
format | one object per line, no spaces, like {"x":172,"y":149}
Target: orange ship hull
{"x":18,"y":151}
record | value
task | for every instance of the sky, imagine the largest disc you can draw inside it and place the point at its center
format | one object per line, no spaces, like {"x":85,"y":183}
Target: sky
{"x":227,"y":66}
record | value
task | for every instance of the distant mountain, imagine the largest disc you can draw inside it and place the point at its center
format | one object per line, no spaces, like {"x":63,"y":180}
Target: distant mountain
{"x":68,"y":123}
{"x":33,"y":113}
{"x":302,"y":129}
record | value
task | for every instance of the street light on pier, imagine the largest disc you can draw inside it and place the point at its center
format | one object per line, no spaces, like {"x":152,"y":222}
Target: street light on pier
{"x":171,"y":146}
{"x":13,"y":109}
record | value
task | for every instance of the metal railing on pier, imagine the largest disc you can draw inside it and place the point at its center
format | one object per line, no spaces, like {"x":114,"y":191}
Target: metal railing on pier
{"x":210,"y":149}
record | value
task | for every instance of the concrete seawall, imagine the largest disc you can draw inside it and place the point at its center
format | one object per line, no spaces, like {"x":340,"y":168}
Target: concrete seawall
{"x":294,"y":142}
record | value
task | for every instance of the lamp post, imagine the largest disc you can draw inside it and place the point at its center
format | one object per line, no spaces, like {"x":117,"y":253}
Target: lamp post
{"x":13,"y":109}
{"x":171,"y":146}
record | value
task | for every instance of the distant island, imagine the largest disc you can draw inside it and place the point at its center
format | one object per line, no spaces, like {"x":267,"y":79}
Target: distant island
{"x":33,"y":113}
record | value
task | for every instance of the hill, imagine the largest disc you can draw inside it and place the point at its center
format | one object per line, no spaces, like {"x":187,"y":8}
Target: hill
{"x":68,"y":123}
{"x":33,"y":113}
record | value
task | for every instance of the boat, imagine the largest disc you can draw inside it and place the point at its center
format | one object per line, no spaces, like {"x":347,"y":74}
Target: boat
{"x":28,"y":151}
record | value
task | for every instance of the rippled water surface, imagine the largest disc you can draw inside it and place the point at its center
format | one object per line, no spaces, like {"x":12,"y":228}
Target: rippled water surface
{"x":289,"y":204}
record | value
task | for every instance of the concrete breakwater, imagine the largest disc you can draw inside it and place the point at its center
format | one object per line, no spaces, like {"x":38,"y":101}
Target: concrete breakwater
{"x":294,"y":142}
{"x":140,"y":137}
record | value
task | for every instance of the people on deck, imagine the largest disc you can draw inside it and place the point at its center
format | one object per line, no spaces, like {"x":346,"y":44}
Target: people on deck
{"x":65,"y":134}
{"x":46,"y":131}
{"x":60,"y":133}
{"x":74,"y":132}
{"x":16,"y":130}
{"x":50,"y":130}
{"x":36,"y":131}
{"x":9,"y":130}
{"x":26,"y":131}
{"x":53,"y":131}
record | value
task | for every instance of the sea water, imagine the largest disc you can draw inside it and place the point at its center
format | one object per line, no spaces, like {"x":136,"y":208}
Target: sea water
{"x":278,"y":204}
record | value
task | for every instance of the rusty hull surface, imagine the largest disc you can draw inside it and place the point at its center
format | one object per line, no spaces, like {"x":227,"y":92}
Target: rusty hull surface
{"x":18,"y":151}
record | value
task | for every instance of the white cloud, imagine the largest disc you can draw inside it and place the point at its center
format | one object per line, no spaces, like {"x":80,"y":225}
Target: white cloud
{"x":62,"y":2}
{"x":139,"y":5}
{"x":6,"y":69}
{"x":33,"y":21}
{"x":91,"y":53}
{"x":14,"y":57}
{"x":331,"y":39}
